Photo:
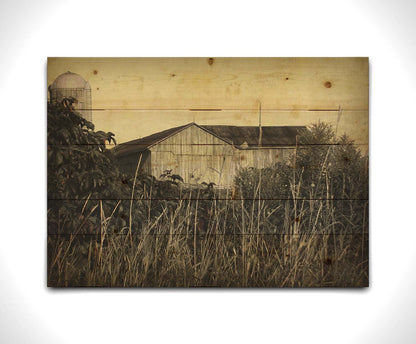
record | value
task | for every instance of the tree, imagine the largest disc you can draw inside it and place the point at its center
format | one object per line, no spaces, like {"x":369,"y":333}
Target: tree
{"x":329,"y":166}
{"x":79,"y":164}
{"x":79,"y":167}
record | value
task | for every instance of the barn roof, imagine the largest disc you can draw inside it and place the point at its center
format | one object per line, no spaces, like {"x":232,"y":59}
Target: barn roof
{"x":249,"y":135}
{"x":147,"y":141}
{"x":244,"y":136}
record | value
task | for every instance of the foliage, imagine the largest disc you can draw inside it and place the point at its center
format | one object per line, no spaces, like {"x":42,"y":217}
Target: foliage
{"x":79,"y":164}
{"x":329,"y":166}
{"x":323,"y":169}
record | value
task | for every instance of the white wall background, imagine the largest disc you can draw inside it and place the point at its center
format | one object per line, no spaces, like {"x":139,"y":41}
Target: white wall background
{"x":32,"y":30}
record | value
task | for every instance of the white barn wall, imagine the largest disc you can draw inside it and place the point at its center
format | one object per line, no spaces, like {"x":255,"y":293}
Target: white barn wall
{"x":198,"y":156}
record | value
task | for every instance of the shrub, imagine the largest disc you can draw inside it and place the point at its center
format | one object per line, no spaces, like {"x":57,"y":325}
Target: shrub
{"x":323,"y":170}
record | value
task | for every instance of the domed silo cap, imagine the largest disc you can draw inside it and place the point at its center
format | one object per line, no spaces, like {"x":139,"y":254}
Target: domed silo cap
{"x":70,"y":80}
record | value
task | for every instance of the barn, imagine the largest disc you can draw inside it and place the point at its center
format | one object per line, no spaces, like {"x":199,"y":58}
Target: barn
{"x":207,"y":153}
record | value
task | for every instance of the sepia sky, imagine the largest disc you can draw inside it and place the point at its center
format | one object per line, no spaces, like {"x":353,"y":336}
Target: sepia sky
{"x":135,"y":97}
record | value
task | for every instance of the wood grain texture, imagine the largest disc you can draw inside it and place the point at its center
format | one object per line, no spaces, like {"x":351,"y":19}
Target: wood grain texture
{"x":225,"y":83}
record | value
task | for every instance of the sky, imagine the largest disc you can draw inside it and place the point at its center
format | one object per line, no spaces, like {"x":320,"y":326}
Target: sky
{"x":135,"y":97}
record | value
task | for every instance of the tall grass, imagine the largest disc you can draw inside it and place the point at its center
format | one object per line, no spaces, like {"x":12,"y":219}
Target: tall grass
{"x":220,"y":241}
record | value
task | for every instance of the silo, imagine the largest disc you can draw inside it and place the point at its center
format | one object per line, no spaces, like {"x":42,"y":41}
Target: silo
{"x":72,"y":85}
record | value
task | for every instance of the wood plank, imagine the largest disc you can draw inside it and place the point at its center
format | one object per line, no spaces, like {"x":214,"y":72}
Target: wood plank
{"x":227,"y":83}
